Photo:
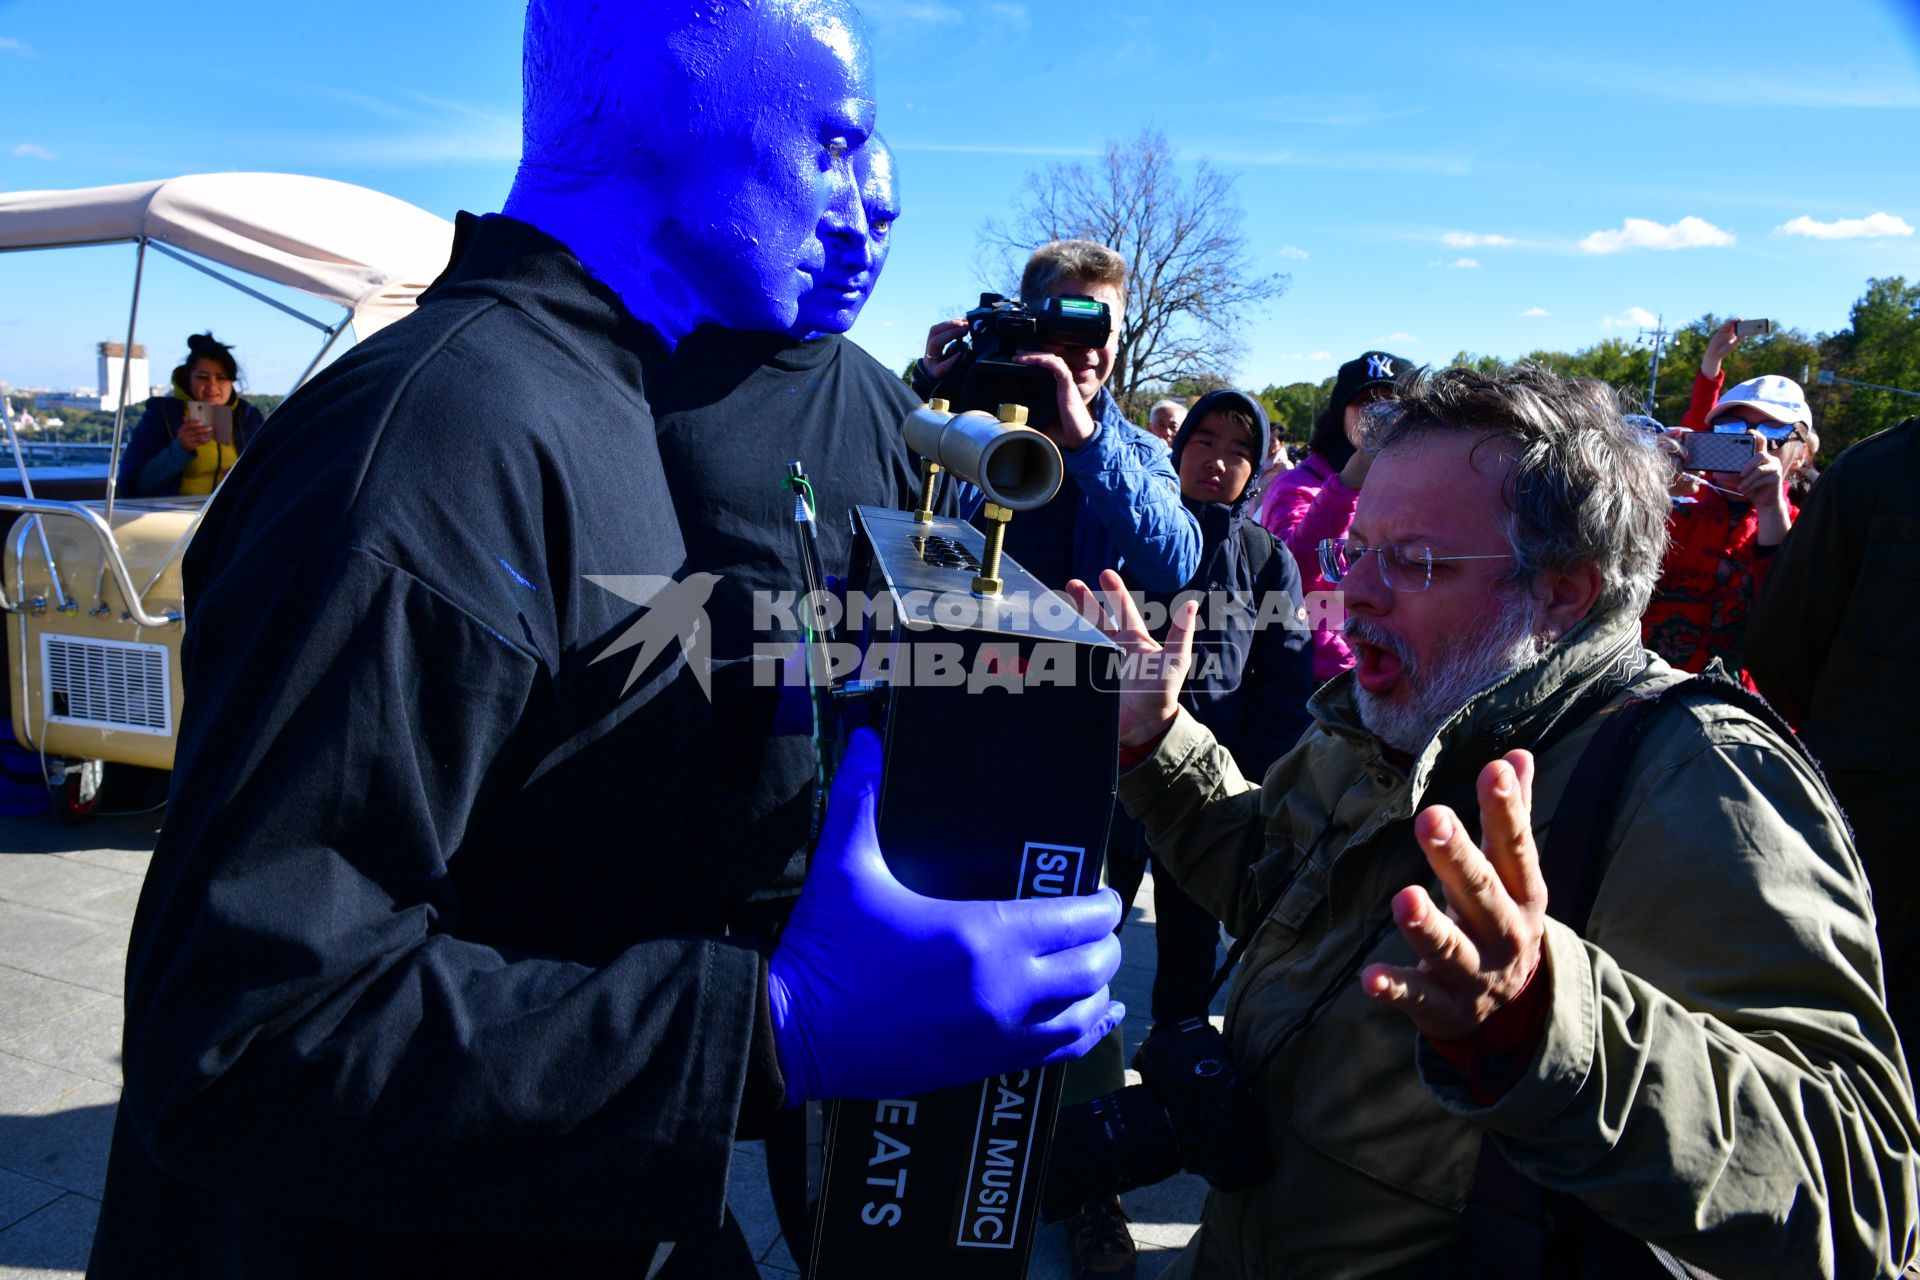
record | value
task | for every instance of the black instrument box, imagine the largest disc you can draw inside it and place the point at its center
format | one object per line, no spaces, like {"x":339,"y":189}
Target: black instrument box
{"x":1000,"y":726}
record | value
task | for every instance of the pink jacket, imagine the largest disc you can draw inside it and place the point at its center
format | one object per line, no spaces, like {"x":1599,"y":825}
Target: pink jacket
{"x":1301,"y":507}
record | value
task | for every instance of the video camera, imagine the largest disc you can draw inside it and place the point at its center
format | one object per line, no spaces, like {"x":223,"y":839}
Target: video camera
{"x":1193,"y":1112}
{"x":987,"y":376}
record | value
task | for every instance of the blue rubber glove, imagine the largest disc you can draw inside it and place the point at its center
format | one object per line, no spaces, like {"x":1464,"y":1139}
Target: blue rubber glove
{"x":878,"y":992}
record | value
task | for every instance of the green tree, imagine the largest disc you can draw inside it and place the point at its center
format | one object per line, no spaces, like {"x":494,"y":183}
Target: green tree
{"x":1293,"y":408}
{"x":1489,"y":365}
{"x":1882,"y":346}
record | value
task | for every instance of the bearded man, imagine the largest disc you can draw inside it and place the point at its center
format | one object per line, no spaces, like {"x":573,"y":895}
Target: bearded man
{"x":1679,"y":1053}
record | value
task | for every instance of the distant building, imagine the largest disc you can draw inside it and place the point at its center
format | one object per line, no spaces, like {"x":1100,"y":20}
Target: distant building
{"x":112,"y":361}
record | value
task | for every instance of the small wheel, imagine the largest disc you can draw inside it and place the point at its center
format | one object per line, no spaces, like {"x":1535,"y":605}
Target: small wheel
{"x":76,"y":797}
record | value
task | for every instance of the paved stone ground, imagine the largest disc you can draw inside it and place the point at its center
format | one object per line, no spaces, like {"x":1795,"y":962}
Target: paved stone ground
{"x":66,"y":901}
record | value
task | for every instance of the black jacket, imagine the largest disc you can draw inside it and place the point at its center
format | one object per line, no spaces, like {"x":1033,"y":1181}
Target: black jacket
{"x":427,"y":977}
{"x":1254,"y":654}
{"x":733,"y":408}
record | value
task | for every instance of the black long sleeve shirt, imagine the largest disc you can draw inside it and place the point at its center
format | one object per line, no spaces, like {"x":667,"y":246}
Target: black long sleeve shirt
{"x":428,"y":974}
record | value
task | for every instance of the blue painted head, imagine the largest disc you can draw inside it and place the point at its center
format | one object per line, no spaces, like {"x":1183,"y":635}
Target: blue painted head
{"x":700,"y":156}
{"x":855,"y":247}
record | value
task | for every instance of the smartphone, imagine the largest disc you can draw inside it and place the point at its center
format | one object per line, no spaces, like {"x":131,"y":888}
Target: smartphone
{"x":1713,"y":451}
{"x":1752,"y":328}
{"x":202,"y":413}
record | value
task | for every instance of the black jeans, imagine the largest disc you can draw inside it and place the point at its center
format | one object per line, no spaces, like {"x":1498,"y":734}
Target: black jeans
{"x":1186,"y":935}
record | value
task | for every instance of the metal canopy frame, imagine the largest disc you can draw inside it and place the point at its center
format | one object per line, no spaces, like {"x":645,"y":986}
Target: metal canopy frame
{"x":141,"y":243}
{"x":102,"y":527}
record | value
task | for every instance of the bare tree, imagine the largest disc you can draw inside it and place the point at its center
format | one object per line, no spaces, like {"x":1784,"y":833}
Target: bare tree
{"x":1191,"y":277}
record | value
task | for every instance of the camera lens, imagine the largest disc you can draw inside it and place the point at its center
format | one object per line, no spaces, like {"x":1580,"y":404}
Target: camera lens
{"x":1111,"y":1144}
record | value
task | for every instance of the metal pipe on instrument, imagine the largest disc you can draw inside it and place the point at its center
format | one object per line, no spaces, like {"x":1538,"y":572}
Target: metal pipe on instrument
{"x":1013,"y":465}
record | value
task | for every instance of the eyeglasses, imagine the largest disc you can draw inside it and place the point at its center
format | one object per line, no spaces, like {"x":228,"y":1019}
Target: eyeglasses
{"x":1402,"y":568}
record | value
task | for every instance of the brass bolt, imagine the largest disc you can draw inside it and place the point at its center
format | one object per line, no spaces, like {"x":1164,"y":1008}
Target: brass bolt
{"x":988,"y":582}
{"x":929,"y":488}
{"x":1014,"y":415}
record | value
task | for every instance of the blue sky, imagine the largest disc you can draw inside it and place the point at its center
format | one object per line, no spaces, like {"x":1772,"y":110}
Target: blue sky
{"x":1433,"y":177}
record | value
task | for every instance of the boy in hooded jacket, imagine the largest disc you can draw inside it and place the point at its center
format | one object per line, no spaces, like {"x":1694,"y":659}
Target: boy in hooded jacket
{"x":1251,"y":677}
{"x":1253,"y":661}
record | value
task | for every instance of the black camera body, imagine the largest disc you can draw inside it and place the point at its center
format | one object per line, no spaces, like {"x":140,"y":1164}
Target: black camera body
{"x":1192,"y":1112}
{"x":987,"y":376}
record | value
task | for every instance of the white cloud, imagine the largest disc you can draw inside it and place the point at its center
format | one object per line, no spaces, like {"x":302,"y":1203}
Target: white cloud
{"x":1631,"y":318}
{"x":1320,"y":355}
{"x":1534,"y":313}
{"x":1643,"y":233}
{"x":1399,"y":337}
{"x":1014,"y":15}
{"x":28,"y":151}
{"x":1473,"y":240}
{"x":1875,"y":226}
{"x":1289,"y":251}
{"x":1464,"y":264}
{"x":10,"y":45}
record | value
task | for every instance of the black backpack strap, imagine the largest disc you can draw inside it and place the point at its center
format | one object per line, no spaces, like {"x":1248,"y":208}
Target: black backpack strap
{"x":1257,"y":543}
{"x":1517,"y":1228}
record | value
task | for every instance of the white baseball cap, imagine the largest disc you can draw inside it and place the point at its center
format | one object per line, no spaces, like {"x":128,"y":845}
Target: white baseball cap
{"x":1778,"y":399}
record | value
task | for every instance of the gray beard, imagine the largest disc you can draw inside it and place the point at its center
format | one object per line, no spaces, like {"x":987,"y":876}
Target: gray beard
{"x":1506,"y":643}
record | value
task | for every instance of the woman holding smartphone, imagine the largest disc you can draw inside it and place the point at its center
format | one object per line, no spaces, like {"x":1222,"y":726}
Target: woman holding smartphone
{"x":186,"y":442}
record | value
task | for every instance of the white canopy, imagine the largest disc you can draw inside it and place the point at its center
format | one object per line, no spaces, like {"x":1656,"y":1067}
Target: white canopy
{"x":362,"y":250}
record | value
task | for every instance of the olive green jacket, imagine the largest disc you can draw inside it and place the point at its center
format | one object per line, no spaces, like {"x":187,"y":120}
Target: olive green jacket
{"x":1718,"y":1073}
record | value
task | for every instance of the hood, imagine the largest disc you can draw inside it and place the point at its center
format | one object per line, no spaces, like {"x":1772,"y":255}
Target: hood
{"x":1263,"y":431}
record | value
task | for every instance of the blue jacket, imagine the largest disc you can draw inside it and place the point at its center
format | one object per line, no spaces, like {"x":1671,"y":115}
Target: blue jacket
{"x":152,"y":464}
{"x":1254,"y":653}
{"x":1118,"y":508}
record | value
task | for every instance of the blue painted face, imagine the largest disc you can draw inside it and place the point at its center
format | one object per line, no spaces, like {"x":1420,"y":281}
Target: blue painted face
{"x":856,"y":237}
{"x":699,"y":156}
{"x":772,"y":174}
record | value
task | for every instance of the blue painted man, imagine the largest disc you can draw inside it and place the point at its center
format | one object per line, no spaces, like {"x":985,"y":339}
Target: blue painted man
{"x":438,"y":967}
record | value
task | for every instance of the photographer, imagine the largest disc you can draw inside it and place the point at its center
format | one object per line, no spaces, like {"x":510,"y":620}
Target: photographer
{"x":1119,"y":503}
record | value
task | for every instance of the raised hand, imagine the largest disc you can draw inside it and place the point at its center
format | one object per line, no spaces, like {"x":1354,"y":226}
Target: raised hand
{"x":878,"y":992}
{"x":1076,"y":425}
{"x":1719,"y":347}
{"x":939,"y":361}
{"x":1479,"y":953}
{"x":1763,"y":481}
{"x":1151,"y":683}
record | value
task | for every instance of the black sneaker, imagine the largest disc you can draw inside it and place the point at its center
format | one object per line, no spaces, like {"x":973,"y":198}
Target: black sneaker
{"x":1098,"y":1240}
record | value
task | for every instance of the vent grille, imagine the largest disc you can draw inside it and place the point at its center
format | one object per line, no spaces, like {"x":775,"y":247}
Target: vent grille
{"x":110,"y":684}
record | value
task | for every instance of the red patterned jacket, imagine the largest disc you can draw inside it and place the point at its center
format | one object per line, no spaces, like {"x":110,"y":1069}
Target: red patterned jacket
{"x":1714,"y":568}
